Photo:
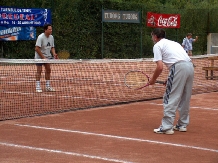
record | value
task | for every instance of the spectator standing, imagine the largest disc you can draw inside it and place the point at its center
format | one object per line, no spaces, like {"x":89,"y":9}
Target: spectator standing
{"x":187,"y":43}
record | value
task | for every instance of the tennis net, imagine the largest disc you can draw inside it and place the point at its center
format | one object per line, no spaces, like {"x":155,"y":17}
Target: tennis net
{"x":81,"y":84}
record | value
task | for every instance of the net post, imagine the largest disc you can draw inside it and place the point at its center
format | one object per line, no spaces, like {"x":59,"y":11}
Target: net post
{"x":102,"y":34}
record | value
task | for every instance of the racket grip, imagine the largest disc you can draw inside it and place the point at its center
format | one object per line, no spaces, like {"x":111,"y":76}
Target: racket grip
{"x":160,"y":82}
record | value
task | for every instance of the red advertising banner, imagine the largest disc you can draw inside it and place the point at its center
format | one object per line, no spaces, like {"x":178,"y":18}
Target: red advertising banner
{"x":163,"y":20}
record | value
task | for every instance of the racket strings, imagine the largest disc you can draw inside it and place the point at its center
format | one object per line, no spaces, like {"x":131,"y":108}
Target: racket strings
{"x":136,"y":80}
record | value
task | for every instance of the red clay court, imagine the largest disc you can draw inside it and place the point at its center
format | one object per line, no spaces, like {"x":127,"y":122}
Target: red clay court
{"x":94,"y":118}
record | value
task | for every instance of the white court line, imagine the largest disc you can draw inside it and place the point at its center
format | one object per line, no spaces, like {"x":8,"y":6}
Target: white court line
{"x":62,"y":152}
{"x":77,"y":80}
{"x":196,"y":107}
{"x":50,"y":95}
{"x":120,"y":137}
{"x":93,"y":83}
{"x":193,"y":107}
{"x":79,"y":97}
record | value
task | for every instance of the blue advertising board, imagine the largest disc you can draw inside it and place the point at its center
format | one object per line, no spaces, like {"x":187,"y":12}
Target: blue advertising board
{"x":17,"y":33}
{"x":10,"y":16}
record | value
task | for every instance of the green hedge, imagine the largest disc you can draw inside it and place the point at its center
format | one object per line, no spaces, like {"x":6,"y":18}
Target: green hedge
{"x":77,"y":28}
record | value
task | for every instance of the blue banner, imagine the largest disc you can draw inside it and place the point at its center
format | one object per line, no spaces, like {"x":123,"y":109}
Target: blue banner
{"x":10,"y":16}
{"x":17,"y":33}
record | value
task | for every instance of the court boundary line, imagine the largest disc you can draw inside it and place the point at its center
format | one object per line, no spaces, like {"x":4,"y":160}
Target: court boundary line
{"x":192,"y":107}
{"x":118,"y":137}
{"x":63,"y":152}
{"x":77,"y":80}
{"x":51,"y":95}
{"x":101,"y":99}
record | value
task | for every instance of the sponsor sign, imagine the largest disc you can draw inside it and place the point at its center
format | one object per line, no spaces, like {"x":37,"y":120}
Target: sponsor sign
{"x":163,"y":20}
{"x":10,"y":16}
{"x":17,"y":33}
{"x":121,"y":16}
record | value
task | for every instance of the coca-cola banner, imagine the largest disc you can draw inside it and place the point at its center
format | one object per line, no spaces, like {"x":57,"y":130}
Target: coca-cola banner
{"x":163,"y":20}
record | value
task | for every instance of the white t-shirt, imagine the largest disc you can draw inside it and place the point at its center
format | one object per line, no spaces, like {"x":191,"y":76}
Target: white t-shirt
{"x":169,"y":52}
{"x":45,"y":44}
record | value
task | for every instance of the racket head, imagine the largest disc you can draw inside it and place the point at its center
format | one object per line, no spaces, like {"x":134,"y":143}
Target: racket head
{"x":64,"y":55}
{"x":136,"y":79}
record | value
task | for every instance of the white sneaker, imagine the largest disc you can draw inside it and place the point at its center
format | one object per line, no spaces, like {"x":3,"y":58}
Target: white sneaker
{"x":180,"y":128}
{"x":160,"y":131}
{"x":38,"y":90}
{"x":50,"y":89}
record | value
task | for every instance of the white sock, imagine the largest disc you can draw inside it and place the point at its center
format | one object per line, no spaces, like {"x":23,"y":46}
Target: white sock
{"x":47,"y":84}
{"x":38,"y":85}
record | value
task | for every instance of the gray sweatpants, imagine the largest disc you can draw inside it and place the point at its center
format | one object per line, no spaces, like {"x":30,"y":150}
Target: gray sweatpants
{"x":178,"y":94}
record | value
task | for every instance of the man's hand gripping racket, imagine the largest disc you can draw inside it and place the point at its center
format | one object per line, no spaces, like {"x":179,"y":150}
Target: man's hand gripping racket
{"x":137,"y":80}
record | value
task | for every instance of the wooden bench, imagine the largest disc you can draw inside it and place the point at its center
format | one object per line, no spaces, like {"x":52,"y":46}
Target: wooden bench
{"x":211,"y":68}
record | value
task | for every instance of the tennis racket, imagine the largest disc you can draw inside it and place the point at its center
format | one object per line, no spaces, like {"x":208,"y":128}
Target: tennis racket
{"x":137,"y":80}
{"x":64,"y":55}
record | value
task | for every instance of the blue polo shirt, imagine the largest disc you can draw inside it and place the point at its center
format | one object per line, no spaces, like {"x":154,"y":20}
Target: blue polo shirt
{"x":187,"y":43}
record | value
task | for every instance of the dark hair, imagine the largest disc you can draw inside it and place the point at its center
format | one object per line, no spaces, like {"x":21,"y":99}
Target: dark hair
{"x":159,"y":32}
{"x":189,"y":34}
{"x":45,"y":27}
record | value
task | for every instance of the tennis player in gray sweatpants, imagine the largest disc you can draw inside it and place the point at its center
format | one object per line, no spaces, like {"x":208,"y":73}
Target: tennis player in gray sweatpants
{"x":178,"y":94}
{"x":179,"y":82}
